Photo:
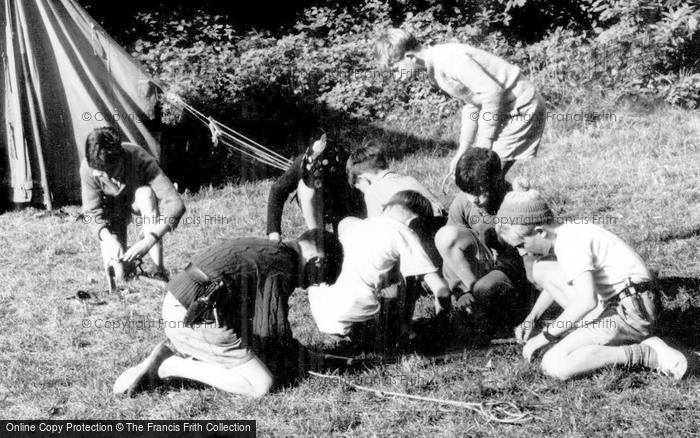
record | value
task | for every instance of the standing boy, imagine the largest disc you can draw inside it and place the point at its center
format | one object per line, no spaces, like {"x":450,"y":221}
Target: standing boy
{"x":502,"y":109}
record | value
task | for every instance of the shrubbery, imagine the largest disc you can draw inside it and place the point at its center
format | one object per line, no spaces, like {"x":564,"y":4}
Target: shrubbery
{"x":280,"y":87}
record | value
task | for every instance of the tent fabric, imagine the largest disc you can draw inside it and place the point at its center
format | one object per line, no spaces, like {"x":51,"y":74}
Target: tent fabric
{"x":62,"y":76}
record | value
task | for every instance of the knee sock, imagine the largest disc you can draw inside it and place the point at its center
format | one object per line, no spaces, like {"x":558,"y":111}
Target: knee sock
{"x":640,"y":355}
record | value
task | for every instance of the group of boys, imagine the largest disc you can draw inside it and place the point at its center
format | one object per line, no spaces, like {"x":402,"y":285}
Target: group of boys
{"x":227,"y":309}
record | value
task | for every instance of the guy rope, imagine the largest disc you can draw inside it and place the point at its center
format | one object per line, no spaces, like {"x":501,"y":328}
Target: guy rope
{"x":249,"y":149}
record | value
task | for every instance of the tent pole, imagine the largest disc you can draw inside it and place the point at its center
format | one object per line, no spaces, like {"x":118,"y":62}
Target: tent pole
{"x":35,"y":125}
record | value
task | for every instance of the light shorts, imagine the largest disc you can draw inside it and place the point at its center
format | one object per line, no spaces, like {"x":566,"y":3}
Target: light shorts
{"x":620,"y":321}
{"x":520,"y":138}
{"x":205,"y":342}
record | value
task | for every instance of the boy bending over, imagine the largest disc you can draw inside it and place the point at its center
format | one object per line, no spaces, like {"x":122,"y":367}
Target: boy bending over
{"x":604,"y":287}
{"x":229,"y":306}
{"x":374,"y":249}
{"x":502,"y":110}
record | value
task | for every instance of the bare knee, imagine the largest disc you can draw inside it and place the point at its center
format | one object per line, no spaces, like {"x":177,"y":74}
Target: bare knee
{"x":449,"y":238}
{"x":145,"y":199}
{"x":554,"y":365}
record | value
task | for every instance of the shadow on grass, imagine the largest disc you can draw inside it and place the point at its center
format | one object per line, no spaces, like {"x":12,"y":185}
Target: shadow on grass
{"x":680,"y":321}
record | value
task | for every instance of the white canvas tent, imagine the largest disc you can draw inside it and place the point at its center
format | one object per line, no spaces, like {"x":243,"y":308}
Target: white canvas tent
{"x":62,"y":76}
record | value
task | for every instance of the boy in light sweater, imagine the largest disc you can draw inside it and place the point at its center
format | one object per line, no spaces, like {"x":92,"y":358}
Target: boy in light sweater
{"x":502,"y":109}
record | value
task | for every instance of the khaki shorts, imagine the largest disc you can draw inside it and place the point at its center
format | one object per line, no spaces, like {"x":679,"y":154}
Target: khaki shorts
{"x":520,"y":138}
{"x":620,"y":321}
{"x":205,"y":342}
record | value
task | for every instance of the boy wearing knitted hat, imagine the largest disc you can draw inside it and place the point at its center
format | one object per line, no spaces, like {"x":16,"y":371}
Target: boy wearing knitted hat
{"x":483,"y":271}
{"x":604,"y":287}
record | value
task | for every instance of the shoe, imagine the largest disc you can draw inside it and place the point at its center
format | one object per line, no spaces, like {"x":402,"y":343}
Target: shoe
{"x":670,"y":362}
{"x":143,"y":375}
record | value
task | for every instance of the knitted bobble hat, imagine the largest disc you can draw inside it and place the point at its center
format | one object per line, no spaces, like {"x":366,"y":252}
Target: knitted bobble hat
{"x":524,"y":206}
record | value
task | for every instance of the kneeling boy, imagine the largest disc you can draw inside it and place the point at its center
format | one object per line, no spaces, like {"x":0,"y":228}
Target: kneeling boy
{"x":604,"y":287}
{"x":231,"y":303}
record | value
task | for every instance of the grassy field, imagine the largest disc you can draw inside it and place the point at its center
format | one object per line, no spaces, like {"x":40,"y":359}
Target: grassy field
{"x":639,"y":171}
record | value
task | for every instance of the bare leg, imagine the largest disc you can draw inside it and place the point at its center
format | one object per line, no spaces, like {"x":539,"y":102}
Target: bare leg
{"x":146,"y":203}
{"x":251,"y":379}
{"x":459,"y":251}
{"x":576,"y":355}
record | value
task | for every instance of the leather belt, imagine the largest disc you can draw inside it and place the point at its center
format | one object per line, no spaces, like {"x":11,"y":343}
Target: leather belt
{"x":633,"y":289}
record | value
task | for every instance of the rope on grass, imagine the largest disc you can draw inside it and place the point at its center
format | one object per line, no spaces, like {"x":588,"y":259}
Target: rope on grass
{"x":498,"y":412}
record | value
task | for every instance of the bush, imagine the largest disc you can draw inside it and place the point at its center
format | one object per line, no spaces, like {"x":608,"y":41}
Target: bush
{"x":318,"y":71}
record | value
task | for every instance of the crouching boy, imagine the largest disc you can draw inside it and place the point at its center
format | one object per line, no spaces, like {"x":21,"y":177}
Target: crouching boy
{"x":374,"y":249}
{"x":604,"y":287}
{"x":229,"y":306}
{"x":484,"y":273}
{"x":118,"y":180}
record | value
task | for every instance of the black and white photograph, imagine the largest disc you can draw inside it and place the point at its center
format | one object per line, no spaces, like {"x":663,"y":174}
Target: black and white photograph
{"x":363,"y":218}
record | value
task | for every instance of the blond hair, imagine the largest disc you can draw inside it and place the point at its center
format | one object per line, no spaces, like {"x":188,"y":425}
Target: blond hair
{"x":393,"y":44}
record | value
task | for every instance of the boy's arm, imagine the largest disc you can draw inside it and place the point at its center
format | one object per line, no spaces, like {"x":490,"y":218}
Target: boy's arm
{"x":279,"y":192}
{"x":440,"y":290}
{"x":487,"y":93}
{"x":173,"y":207}
{"x":523,"y":331}
{"x":309,"y":206}
{"x":91,"y":195}
{"x":586,"y":300}
{"x":468,"y":129}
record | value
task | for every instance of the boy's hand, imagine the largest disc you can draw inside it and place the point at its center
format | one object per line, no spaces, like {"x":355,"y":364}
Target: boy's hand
{"x":139,"y":249}
{"x":533,"y":345}
{"x":275,"y":237}
{"x":524,"y":330}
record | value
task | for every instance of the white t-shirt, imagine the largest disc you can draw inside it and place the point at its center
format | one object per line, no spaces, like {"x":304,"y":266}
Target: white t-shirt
{"x":373,"y":248}
{"x":586,"y":247}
